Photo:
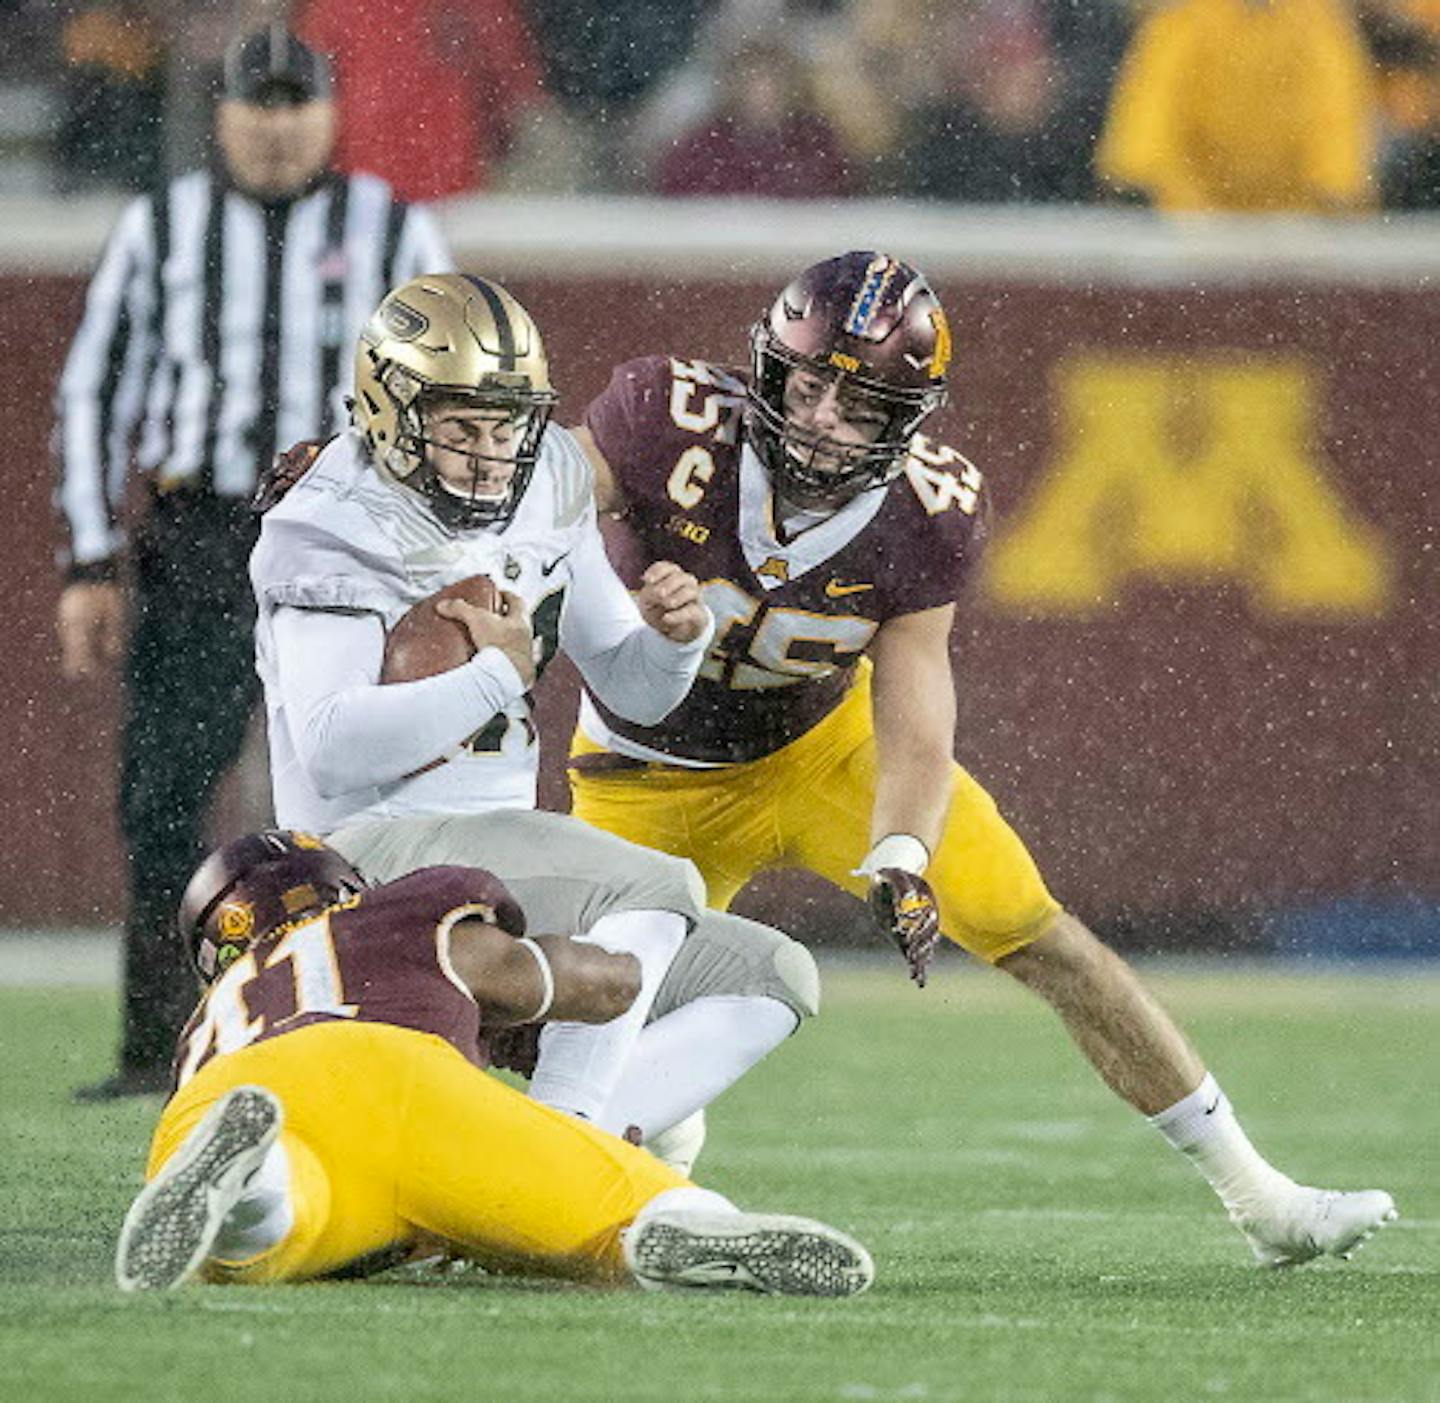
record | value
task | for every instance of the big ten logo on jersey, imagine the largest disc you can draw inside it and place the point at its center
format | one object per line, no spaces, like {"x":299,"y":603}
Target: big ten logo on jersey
{"x":680,"y":525}
{"x":1194,"y":472}
{"x":757,"y":645}
{"x":703,"y":400}
{"x":942,"y":477}
{"x":511,"y":733}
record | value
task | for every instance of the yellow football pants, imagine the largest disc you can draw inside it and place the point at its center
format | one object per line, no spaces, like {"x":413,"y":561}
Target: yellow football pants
{"x":392,"y":1135}
{"x":808,"y":805}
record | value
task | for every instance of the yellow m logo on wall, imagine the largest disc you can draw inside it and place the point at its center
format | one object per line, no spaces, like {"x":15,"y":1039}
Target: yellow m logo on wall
{"x":1188,"y":472}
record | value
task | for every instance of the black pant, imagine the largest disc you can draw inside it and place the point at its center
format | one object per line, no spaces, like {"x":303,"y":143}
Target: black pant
{"x":191,"y":687}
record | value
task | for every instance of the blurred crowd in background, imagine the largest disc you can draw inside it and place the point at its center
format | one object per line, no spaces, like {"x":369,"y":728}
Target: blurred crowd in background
{"x":1309,"y":105}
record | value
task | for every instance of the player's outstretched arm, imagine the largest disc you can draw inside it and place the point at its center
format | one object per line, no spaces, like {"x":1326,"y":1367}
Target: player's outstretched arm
{"x":541,"y":977}
{"x":914,"y":718}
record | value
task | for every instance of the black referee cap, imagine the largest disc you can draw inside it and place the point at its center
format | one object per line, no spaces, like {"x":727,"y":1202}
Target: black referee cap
{"x":271,"y":67}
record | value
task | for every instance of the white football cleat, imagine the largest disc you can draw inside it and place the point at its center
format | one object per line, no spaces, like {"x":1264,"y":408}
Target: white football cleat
{"x":771,"y":1253}
{"x":172,"y":1225}
{"x":1309,"y":1223}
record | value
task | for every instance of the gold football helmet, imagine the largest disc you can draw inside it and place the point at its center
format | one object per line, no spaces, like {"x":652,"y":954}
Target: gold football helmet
{"x":450,"y":337}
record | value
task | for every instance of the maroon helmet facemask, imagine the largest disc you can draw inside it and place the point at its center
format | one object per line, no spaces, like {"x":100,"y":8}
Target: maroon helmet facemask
{"x":870,"y":323}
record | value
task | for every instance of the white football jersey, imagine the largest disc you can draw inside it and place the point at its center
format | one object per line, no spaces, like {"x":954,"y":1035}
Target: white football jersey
{"x":346,"y":539}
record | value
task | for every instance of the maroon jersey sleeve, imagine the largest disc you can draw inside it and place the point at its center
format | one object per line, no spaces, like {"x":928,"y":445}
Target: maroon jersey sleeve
{"x":394,"y":949}
{"x":626,"y":411}
{"x":383,"y":958}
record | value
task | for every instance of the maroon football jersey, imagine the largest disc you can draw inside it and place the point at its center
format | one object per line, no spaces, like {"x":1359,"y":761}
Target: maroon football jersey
{"x":377,"y":959}
{"x":793,"y":616}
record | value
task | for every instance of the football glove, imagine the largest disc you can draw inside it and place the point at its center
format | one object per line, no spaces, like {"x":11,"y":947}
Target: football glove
{"x":282,"y":474}
{"x":904,"y":908}
{"x":516,"y":1049}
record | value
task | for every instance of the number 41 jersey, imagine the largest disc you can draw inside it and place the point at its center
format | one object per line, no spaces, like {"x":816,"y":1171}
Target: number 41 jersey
{"x":382,"y":958}
{"x":794,"y":613}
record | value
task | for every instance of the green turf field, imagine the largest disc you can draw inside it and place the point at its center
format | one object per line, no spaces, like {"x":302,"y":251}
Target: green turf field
{"x":1034,"y":1241}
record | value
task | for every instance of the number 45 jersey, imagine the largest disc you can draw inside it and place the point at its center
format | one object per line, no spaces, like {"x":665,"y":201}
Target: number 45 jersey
{"x":793,"y":613}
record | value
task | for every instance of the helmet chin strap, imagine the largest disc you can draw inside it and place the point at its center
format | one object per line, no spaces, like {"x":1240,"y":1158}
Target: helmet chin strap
{"x":815,"y":490}
{"x":478,"y":461}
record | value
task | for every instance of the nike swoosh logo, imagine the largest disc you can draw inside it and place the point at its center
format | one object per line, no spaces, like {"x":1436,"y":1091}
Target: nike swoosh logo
{"x":835,"y":590}
{"x":549,"y":569}
{"x":1210,"y":1110}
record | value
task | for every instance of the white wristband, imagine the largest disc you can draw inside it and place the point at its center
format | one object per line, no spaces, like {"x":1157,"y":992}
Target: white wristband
{"x":547,"y":978}
{"x":901,"y":850}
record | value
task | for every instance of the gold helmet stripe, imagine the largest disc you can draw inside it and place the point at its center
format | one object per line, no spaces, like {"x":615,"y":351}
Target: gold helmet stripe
{"x":503,"y":329}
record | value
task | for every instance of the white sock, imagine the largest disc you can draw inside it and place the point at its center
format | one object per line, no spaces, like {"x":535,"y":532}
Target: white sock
{"x":680,"y":1146}
{"x":263,"y":1216}
{"x":1203,"y":1127}
{"x":689,"y":1199}
{"x":685,"y":1060}
{"x":580,"y":1063}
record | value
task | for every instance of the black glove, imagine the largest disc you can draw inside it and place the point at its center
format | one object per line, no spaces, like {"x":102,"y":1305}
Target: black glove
{"x":904,"y":908}
{"x":516,"y":1049}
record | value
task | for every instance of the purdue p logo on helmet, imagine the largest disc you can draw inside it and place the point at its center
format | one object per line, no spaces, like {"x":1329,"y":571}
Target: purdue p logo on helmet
{"x":450,"y":337}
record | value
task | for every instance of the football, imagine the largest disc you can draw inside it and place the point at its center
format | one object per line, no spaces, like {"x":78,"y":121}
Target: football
{"x":424,"y":643}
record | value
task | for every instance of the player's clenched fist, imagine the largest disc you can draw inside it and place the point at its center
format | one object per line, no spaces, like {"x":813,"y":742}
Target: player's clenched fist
{"x":669,"y":600}
{"x":91,"y":622}
{"x":904,"y":907}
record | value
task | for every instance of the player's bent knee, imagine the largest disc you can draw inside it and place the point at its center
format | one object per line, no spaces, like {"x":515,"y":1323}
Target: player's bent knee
{"x":797,"y":972}
{"x":731,"y":956}
{"x":1062,"y":945}
{"x":694,"y":884}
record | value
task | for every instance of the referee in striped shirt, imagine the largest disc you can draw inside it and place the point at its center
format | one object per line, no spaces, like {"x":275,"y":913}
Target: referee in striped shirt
{"x":213,"y":334}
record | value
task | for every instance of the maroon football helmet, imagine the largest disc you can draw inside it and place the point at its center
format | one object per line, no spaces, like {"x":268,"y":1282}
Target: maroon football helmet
{"x":871,"y":323}
{"x":247,"y":889}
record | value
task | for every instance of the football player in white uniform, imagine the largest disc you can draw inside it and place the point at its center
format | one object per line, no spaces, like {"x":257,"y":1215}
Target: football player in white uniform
{"x":452,"y":470}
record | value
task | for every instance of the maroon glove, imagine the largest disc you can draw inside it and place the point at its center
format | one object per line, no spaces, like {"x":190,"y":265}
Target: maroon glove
{"x":516,"y":1049}
{"x":904,"y":908}
{"x":287,"y":469}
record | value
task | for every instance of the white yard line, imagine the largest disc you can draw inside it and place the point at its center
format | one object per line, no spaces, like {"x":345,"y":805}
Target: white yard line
{"x":66,"y":959}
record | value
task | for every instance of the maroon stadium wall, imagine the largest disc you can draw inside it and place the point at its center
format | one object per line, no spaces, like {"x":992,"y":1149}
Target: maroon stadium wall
{"x":1198,"y":669}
